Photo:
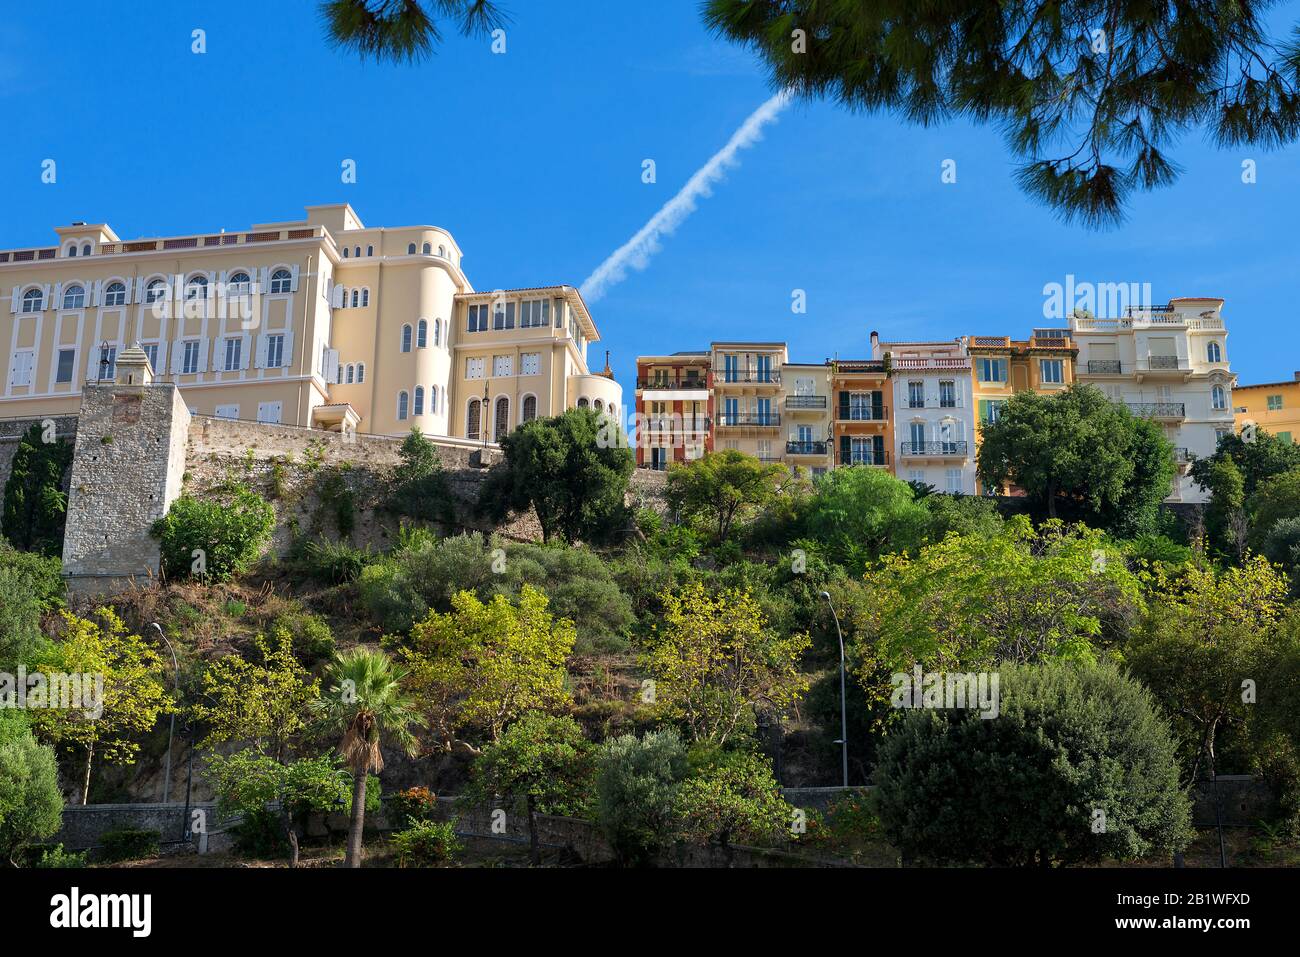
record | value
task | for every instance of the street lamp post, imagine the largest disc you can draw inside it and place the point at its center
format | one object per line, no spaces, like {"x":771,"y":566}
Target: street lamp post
{"x":176,"y":679}
{"x":844,"y":724}
{"x":484,"y":423}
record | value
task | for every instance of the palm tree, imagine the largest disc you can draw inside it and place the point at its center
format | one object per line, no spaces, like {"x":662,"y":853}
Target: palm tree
{"x":365,"y":705}
{"x":403,"y":30}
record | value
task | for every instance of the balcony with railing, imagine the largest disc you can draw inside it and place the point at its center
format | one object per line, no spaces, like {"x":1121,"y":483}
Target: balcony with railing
{"x":863,"y":413}
{"x":806,"y":448}
{"x":1182,"y":456}
{"x":932,"y":364}
{"x":746,"y":377}
{"x":863,"y":457}
{"x":1157,"y":410}
{"x":674,"y":382}
{"x":1105,"y":367}
{"x":935,"y":449}
{"x":805,"y":402}
{"x":1162,"y":364}
{"x":676,"y":423}
{"x":760,"y":420}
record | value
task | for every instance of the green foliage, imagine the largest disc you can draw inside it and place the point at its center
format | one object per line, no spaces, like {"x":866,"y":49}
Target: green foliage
{"x":861,"y":512}
{"x":732,"y":797}
{"x":411,"y":806}
{"x":636,"y":793}
{"x":310,"y":634}
{"x":572,"y":469}
{"x":406,"y":32}
{"x":1276,"y":499}
{"x":1282,"y":546}
{"x":232,"y":527}
{"x":1034,"y":71}
{"x":56,"y":858}
{"x":337,"y":500}
{"x":542,"y":758}
{"x":1257,"y":460}
{"x":967,"y":603}
{"x":128,"y":844}
{"x":247,"y":781}
{"x":966,"y":515}
{"x":35,"y":504}
{"x":31,"y":805}
{"x":30,"y":585}
{"x":1071,"y":742}
{"x":1078,"y":450}
{"x":419,"y":485}
{"x":426,"y":844}
{"x":1157,"y":549}
{"x":1225,"y":519}
{"x":483,"y":665}
{"x":331,"y":563}
{"x":721,"y":488}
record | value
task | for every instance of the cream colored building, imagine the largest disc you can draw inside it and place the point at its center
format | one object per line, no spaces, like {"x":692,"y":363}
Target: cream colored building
{"x":319,"y":322}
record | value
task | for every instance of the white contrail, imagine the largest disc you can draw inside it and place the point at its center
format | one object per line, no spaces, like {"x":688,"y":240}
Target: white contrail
{"x":636,"y":252}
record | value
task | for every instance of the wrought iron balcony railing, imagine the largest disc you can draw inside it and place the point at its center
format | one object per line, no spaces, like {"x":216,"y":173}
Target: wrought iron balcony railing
{"x":864,"y":457}
{"x":867,"y":413}
{"x":1105,"y":367}
{"x":757,"y":419}
{"x":805,"y":448}
{"x":1157,"y":410}
{"x":805,"y":401}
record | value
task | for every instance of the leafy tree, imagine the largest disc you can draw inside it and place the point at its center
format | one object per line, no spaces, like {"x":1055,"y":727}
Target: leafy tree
{"x":636,"y":793}
{"x":218,"y":536}
{"x":569,"y":471}
{"x":1207,"y":634}
{"x":1282,"y":546}
{"x":419,"y":484}
{"x":1077,"y":768}
{"x":1088,"y":94}
{"x":365,"y":706}
{"x":970,"y":602}
{"x":1276,"y":498}
{"x":131,"y":701}
{"x":1225,"y":518}
{"x":541,"y":758}
{"x":30,"y":586}
{"x":715,"y":662}
{"x":732,"y":796}
{"x":963,"y":514}
{"x":263,"y":700}
{"x":1263,"y":456}
{"x":31,"y":806}
{"x":35,"y":504}
{"x":484,"y":665}
{"x":860,"y":512}
{"x":1080,"y":448}
{"x":403,"y":30}
{"x":250,"y":783}
{"x":720,"y":488}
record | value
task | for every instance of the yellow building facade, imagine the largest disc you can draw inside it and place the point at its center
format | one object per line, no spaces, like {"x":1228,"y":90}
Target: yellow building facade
{"x":319,"y":322}
{"x":1273,"y":407}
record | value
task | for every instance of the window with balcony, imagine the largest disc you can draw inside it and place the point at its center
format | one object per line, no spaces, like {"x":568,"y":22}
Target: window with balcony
{"x":991,"y":370}
{"x":731,"y":368}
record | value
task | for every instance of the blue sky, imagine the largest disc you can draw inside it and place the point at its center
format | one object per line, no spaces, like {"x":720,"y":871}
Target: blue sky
{"x":533,"y":160}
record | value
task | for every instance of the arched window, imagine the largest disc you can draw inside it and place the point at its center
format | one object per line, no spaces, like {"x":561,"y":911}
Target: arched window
{"x":357,"y":252}
{"x":281,"y":280}
{"x":599,"y":405}
{"x":442,"y":251}
{"x":32,"y":300}
{"x":115,"y":294}
{"x":421,"y":334}
{"x":356,"y":298}
{"x":410,"y":249}
{"x":197,"y":288}
{"x":361,"y":372}
{"x":1219,"y":397}
{"x":365,"y":297}
{"x":419,"y":400}
{"x":72,"y":250}
{"x":437,"y":332}
{"x":402,"y":403}
{"x":433,"y":400}
{"x":1213,"y":353}
{"x":155,"y":291}
{"x":238,"y":284}
{"x":370,"y":250}
{"x":428,"y":249}
{"x":406,"y":337}
{"x":351,"y":373}
{"x":530,"y":408}
{"x":345,"y":252}
{"x":613,"y":409}
{"x":582,"y":403}
{"x":74,"y":297}
{"x":501,"y":421}
{"x":85,"y":250}
{"x":472,"y":419}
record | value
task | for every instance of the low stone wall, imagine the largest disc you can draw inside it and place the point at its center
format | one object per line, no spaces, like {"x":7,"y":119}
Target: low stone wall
{"x":84,"y":825}
{"x":1244,"y":800}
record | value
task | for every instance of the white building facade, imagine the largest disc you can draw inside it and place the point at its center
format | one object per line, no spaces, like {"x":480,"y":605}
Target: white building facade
{"x":1170,"y":364}
{"x":934,"y":424}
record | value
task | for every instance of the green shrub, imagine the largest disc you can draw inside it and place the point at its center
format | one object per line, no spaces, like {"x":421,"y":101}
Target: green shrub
{"x":337,"y":500}
{"x":57,"y":858}
{"x":419,"y":485}
{"x":332,"y":563}
{"x":312,"y":638}
{"x":30,"y":585}
{"x":229,"y":529}
{"x":637,"y":780}
{"x":128,"y":844}
{"x":35,"y":505}
{"x":426,"y":844}
{"x":411,"y":806}
{"x":31,"y":805}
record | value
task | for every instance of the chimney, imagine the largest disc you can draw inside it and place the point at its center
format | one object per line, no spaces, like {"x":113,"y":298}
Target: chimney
{"x":875,"y":344}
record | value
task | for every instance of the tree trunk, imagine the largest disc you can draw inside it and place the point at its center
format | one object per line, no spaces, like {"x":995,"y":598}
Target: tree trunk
{"x":353,"y":856}
{"x":1051,"y":500}
{"x":85,"y":784}
{"x":291,"y":834}
{"x":534,"y":850}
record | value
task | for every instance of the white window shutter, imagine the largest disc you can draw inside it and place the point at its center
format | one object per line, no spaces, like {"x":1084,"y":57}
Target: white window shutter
{"x":58,"y":295}
{"x":293,"y":282}
{"x":261,"y":353}
{"x":244,"y":348}
{"x":139,"y":289}
{"x":203,"y":355}
{"x":14,"y":297}
{"x":161,"y":365}
{"x":178,"y":356}
{"x":45,"y":296}
{"x":262,"y":273}
{"x":95,"y":287}
{"x":340,"y":294}
{"x":331,"y":365}
{"x":127,"y":291}
{"x":286,"y":357}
